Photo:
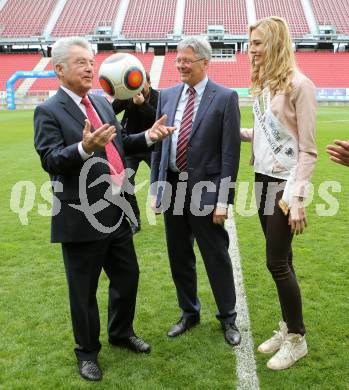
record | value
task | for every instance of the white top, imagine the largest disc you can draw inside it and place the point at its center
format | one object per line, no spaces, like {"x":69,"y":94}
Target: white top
{"x":264,"y":160}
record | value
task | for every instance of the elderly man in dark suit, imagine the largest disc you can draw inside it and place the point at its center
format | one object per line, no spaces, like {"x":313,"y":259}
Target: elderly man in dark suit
{"x":81,"y":146}
{"x":200,"y":163}
{"x":139,"y":115}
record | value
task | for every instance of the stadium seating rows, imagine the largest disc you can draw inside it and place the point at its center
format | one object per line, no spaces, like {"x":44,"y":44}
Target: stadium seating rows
{"x":231,"y":74}
{"x":292,"y":11}
{"x":156,"y":18}
{"x":25,"y":18}
{"x":199,"y":14}
{"x":333,"y":13}
{"x":10,"y":63}
{"x":151,"y":18}
{"x":327,"y":70}
{"x":82,"y":17}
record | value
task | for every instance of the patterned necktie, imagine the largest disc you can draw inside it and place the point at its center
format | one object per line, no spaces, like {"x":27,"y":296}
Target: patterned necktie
{"x":116,"y":166}
{"x":184,"y":132}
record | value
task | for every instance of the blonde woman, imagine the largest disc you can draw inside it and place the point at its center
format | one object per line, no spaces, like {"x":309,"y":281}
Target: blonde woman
{"x":284,"y":157}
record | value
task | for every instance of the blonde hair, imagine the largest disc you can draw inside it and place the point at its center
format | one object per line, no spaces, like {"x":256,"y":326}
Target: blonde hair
{"x":279,"y":63}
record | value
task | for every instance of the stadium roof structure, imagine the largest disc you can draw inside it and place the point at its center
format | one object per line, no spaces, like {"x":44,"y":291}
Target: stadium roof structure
{"x":170,"y":40}
{"x":158,"y":22}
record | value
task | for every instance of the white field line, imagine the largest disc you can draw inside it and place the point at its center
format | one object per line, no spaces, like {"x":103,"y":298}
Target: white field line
{"x":245,"y":361}
{"x":338,"y":120}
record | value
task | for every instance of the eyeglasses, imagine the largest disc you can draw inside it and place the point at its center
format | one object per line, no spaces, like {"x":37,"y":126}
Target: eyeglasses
{"x":185,"y":61}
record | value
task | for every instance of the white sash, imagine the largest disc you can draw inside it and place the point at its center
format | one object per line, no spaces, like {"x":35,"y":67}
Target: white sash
{"x":282,"y":143}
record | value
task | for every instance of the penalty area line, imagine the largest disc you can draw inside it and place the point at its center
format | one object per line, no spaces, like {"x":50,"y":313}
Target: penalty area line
{"x":245,"y":360}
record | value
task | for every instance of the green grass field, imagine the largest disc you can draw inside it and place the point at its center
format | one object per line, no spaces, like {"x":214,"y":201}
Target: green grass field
{"x":36,"y":342}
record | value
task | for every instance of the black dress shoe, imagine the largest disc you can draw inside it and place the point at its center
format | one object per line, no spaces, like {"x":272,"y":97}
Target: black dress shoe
{"x":136,"y":228}
{"x":182,"y":326}
{"x":134,"y":343}
{"x":90,"y":370}
{"x":231,"y":334}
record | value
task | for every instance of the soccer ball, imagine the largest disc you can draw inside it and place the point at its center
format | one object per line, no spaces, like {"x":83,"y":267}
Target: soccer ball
{"x":122,"y":76}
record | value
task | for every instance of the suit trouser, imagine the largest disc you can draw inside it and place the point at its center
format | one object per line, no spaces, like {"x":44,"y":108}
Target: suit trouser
{"x":213,"y":243}
{"x":278,"y":237}
{"x":133,"y":162}
{"x":84,"y":262}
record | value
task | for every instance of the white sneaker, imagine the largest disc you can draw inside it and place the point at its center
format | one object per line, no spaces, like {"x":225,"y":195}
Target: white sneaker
{"x":274,"y":343}
{"x":292,"y":349}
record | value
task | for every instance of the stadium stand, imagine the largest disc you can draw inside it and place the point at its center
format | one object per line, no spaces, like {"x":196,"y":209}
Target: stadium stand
{"x":235,"y":74}
{"x":292,"y":11}
{"x":326,"y":70}
{"x":169,"y":74}
{"x":82,"y":17}
{"x":10,"y":63}
{"x":149,"y":18}
{"x":157,"y":20}
{"x":231,"y":73}
{"x":231,"y":14}
{"x":20,"y":18}
{"x":332,"y":12}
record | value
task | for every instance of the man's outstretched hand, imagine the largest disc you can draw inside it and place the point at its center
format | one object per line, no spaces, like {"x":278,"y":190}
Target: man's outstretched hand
{"x":159,"y":131}
{"x":339,"y":153}
{"x":93,"y":141}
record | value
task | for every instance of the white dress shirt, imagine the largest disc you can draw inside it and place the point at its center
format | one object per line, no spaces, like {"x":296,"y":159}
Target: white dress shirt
{"x":199,"y":90}
{"x":77,"y":99}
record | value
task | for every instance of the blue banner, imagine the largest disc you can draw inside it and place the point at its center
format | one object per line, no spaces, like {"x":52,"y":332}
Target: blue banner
{"x":22,"y":74}
{"x":335,"y":94}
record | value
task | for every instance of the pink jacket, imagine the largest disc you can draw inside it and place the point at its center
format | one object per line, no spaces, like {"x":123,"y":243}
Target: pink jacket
{"x":297,"y":112}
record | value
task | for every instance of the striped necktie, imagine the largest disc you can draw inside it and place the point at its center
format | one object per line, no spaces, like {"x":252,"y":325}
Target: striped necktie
{"x":116,"y":166}
{"x":184,"y":132}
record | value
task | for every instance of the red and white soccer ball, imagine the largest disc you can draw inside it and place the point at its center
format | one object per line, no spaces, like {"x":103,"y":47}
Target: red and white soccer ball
{"x":122,"y":75}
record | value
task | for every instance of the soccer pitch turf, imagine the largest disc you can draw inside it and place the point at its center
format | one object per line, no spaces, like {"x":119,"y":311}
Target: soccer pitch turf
{"x":36,"y":347}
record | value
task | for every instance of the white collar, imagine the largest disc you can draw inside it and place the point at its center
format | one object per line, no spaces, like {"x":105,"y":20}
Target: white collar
{"x":73,"y":95}
{"x":199,"y":87}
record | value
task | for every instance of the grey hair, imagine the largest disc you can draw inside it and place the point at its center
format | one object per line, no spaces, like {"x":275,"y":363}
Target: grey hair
{"x":200,"y":46}
{"x":60,"y":49}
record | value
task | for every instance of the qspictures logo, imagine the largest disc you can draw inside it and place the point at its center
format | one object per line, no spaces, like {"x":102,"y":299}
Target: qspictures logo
{"x":24,"y":196}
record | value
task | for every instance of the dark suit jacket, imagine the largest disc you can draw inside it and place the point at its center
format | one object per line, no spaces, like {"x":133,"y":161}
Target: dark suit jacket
{"x":58,"y":124}
{"x":213,"y":146}
{"x":137,"y":117}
